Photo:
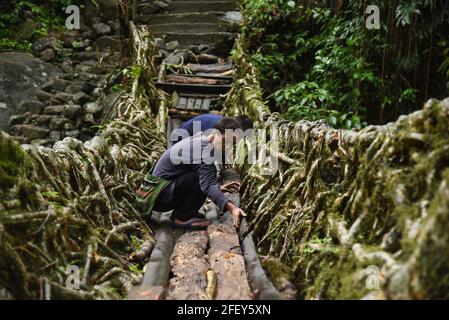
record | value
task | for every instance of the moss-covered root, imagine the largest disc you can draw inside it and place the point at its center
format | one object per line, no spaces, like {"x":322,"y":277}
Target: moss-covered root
{"x":367,"y":216}
{"x":66,"y":213}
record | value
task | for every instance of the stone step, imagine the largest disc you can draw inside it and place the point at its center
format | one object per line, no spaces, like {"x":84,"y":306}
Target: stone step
{"x":190,"y":17}
{"x":201,"y":6}
{"x":188,"y":27}
{"x":189,"y":38}
{"x":222,"y":42}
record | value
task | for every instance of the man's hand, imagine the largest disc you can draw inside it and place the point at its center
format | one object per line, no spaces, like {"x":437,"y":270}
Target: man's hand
{"x":236,"y":213}
{"x":231,"y":187}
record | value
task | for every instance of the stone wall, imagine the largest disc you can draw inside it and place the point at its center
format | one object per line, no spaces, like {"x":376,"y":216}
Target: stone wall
{"x":64,"y":89}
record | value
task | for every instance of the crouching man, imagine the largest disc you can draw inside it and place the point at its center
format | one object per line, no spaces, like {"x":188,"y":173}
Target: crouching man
{"x":186,"y":176}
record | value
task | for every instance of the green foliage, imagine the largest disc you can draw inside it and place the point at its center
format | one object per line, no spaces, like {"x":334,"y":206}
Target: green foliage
{"x":125,"y":77}
{"x":21,"y":45}
{"x":51,"y":194}
{"x":444,"y":67}
{"x":136,"y":242}
{"x":320,"y":62}
{"x":134,"y":268}
{"x":328,"y":88}
{"x":116,"y":87}
{"x":132,"y":72}
{"x":45,"y":16}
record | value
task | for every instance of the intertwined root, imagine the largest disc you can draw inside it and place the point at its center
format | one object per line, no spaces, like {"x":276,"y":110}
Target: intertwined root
{"x":72,"y":205}
{"x":351,"y":212}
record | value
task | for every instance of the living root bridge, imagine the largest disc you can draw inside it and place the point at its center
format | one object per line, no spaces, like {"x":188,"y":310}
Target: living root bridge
{"x":355,"y":200}
{"x":72,"y":204}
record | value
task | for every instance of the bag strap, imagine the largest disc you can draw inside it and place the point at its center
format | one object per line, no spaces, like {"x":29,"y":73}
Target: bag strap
{"x":152,"y":168}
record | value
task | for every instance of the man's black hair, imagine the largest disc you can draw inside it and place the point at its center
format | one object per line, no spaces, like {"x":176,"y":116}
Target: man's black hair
{"x":245,"y":122}
{"x":227,"y":123}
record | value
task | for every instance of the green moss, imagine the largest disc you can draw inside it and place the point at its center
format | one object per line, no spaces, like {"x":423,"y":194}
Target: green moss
{"x":432,"y":278}
{"x":13,"y":160}
{"x":336,"y":279}
{"x":277,"y":270}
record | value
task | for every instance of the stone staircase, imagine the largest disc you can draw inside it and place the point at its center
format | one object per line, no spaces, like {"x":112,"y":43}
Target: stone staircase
{"x":193,"y":23}
{"x":197,"y":35}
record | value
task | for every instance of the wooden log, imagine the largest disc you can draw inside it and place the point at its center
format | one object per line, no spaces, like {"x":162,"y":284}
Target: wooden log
{"x":209,"y":68}
{"x":158,"y":267}
{"x":193,"y":80}
{"x":183,"y":115}
{"x":149,"y":293}
{"x":258,"y":280}
{"x":227,"y":262}
{"x":228,"y":73}
{"x":189,"y":266}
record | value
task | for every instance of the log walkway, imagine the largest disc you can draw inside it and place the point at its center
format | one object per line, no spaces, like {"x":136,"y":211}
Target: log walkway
{"x":210,"y":264}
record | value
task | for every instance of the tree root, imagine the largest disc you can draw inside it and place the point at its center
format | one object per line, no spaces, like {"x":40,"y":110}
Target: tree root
{"x":356,"y":187}
{"x":68,"y":203}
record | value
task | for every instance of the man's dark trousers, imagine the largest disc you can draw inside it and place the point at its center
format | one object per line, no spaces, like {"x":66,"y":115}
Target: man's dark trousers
{"x":185,"y":199}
